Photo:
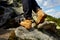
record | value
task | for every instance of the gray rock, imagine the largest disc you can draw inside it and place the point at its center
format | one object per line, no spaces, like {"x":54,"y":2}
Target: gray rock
{"x":18,"y":9}
{"x":10,"y":1}
{"x":48,"y":25}
{"x":6,"y":16}
{"x":33,"y":34}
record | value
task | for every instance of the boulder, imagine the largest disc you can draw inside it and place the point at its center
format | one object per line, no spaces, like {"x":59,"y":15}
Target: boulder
{"x":48,"y":25}
{"x":7,"y":15}
{"x":36,"y":33}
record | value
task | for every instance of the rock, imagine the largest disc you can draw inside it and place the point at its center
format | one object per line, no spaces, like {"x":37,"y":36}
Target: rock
{"x":10,"y":16}
{"x":7,"y":16}
{"x":48,"y":25}
{"x":10,"y":1}
{"x":12,"y":36}
{"x":18,"y":9}
{"x":4,"y":34}
{"x":34,"y":34}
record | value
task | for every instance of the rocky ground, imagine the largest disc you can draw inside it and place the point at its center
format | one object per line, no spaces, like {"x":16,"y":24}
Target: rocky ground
{"x":44,"y":31}
{"x":39,"y":33}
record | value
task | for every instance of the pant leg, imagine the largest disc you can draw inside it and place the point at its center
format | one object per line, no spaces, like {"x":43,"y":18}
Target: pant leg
{"x":27,"y":8}
{"x":35,"y":6}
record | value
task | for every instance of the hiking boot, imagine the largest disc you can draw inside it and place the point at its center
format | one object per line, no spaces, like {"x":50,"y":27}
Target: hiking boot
{"x":26,"y":23}
{"x":40,"y":16}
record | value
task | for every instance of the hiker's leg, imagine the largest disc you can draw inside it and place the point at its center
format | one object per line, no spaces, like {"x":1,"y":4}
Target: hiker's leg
{"x":27,"y":8}
{"x":35,"y":6}
{"x":40,"y":14}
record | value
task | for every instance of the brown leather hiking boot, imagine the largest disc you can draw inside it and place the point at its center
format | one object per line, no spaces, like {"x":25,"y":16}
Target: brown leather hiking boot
{"x":26,"y":23}
{"x":40,"y":16}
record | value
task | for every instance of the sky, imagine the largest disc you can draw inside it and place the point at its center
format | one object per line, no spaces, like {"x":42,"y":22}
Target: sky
{"x":50,"y":7}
